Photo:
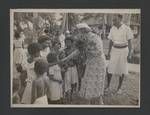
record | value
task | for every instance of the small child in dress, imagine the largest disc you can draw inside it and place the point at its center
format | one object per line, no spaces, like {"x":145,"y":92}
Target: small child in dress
{"x":22,"y":76}
{"x":40,"y":85}
{"x":34,"y":52}
{"x":16,"y":87}
{"x":71,"y":75}
{"x":19,"y":55}
{"x":54,"y":74}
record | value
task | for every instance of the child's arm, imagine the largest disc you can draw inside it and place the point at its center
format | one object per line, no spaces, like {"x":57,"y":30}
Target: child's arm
{"x":75,"y":53}
{"x":51,"y":77}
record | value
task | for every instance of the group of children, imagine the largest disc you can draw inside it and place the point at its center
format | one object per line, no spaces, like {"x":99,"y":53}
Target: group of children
{"x":43,"y":77}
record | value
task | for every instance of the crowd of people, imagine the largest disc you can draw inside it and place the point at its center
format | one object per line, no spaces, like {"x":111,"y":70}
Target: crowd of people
{"x":52,"y":72}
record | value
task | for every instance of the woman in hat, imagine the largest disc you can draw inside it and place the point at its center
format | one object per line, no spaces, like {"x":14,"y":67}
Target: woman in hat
{"x":92,"y":87}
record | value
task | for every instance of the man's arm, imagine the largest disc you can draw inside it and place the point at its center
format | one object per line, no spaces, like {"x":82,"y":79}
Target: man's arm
{"x":129,"y":38}
{"x":110,"y":46}
{"x":130,"y":49}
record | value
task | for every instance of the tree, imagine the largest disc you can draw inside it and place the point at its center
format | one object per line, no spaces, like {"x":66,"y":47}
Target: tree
{"x":73,"y":19}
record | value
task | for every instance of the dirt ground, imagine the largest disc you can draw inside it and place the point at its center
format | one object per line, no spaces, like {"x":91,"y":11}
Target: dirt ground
{"x":130,"y":88}
{"x":130,"y":92}
{"x":129,"y":96}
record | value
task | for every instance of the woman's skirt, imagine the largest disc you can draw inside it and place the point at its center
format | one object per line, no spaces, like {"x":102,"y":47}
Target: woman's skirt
{"x":93,"y":82}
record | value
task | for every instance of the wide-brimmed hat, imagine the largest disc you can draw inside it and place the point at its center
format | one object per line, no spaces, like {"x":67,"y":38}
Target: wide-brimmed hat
{"x":83,"y":25}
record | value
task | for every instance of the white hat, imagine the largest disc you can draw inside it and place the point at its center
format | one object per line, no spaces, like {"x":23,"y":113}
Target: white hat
{"x":67,"y":32}
{"x":83,"y":25}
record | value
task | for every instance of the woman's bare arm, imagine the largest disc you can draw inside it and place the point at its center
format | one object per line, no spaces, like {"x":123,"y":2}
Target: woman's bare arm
{"x":75,"y":53}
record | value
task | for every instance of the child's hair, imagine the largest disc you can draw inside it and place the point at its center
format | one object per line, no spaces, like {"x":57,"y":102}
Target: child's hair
{"x":40,"y":66}
{"x":51,"y":57}
{"x":19,"y":68}
{"x":17,"y":35}
{"x":59,"y":44}
{"x":62,"y":55}
{"x":43,"y":38}
{"x":46,"y":31}
{"x":69,"y":39}
{"x":34,"y":48}
{"x":55,"y":42}
{"x":120,"y":16}
{"x":16,"y":84}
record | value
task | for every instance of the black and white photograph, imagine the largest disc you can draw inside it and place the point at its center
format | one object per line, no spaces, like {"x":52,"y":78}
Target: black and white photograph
{"x":75,"y":58}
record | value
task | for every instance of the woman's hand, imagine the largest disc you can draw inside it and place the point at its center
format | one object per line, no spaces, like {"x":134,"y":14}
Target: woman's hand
{"x":71,"y":56}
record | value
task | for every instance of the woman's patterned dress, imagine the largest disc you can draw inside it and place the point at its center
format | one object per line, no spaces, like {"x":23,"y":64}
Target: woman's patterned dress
{"x":92,"y":85}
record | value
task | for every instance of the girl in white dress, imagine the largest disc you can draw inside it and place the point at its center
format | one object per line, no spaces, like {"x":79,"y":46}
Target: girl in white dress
{"x":54,"y":74}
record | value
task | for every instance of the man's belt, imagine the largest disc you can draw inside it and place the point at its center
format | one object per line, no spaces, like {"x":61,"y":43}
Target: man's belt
{"x":18,"y":47}
{"x":117,"y":46}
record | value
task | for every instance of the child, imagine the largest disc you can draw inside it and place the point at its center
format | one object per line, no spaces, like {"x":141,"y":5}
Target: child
{"x":19,"y":54}
{"x":22,"y":76}
{"x":71,"y":75}
{"x":40,"y":86}
{"x":16,"y":87}
{"x":34,"y":52}
{"x":45,"y":43}
{"x":63,"y":66}
{"x":56,"y":47}
{"x":54,"y":74}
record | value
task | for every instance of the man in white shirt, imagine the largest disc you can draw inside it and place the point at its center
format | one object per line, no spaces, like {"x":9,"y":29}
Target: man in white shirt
{"x":119,"y":50}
